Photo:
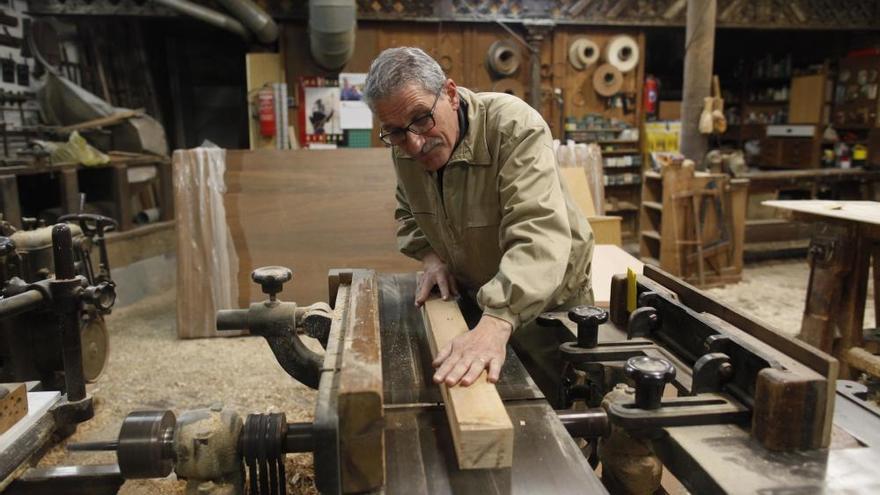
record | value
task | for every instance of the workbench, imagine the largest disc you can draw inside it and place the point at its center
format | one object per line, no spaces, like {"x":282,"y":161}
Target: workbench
{"x":66,"y":181}
{"x":846,"y":237}
{"x":767,"y":233}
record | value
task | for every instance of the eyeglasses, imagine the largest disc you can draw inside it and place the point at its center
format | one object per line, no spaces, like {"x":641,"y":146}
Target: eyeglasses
{"x":419,"y":125}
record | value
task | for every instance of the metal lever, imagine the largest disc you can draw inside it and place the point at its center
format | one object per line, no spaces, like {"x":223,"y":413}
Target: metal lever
{"x":276,"y":322}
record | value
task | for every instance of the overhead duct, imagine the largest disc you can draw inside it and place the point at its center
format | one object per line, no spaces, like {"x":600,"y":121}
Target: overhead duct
{"x":254,"y":18}
{"x":207,"y":15}
{"x":332,"y":25}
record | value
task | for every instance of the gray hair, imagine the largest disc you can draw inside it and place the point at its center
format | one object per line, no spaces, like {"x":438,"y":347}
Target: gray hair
{"x":396,"y":68}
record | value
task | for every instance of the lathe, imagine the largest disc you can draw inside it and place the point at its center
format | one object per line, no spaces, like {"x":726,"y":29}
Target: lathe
{"x":667,"y":377}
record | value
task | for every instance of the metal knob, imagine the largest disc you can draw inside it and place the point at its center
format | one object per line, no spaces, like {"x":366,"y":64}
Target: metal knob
{"x":650,"y":375}
{"x":588,"y":319}
{"x":272,"y":279}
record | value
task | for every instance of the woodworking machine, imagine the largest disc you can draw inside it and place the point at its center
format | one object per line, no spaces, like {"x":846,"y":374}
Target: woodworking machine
{"x":667,"y":378}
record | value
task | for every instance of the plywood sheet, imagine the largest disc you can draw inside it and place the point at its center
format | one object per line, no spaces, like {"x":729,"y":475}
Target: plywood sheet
{"x":311,"y":210}
{"x":576,"y":182}
{"x":856,"y":211}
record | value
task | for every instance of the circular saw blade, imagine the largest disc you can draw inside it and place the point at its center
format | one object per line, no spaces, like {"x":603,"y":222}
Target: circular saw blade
{"x":95,"y":347}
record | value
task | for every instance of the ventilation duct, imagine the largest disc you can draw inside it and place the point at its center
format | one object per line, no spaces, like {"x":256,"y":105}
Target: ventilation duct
{"x":254,"y":18}
{"x":332,"y":25}
{"x":205,"y":14}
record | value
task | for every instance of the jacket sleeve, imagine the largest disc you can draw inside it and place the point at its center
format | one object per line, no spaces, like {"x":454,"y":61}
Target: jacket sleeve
{"x":535,"y":236}
{"x":410,"y":239}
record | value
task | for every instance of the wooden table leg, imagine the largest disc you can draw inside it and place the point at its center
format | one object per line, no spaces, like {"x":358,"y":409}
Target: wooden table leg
{"x":122,"y":197}
{"x":69,"y":189}
{"x":831,"y":254}
{"x":9,"y":200}
{"x":166,"y":193}
{"x":850,"y":320}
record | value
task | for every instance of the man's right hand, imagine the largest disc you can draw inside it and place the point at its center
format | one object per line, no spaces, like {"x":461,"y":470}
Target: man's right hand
{"x":435,"y":273}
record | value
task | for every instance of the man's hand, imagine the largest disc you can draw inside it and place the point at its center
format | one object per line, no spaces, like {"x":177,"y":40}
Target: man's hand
{"x":435,"y":273}
{"x":463,"y":359}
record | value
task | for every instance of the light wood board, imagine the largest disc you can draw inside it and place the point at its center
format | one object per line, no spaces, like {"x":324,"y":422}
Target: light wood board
{"x":609,"y":260}
{"x":856,"y":211}
{"x":13,"y":404}
{"x":576,"y":181}
{"x":481,"y":428}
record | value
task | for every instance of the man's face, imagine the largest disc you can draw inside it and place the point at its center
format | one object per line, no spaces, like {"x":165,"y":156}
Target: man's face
{"x":409,"y":105}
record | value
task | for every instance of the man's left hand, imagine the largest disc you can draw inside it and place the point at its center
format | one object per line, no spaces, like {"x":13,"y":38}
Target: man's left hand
{"x":464,"y":359}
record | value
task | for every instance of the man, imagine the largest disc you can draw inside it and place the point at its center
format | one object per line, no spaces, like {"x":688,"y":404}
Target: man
{"x":481,"y":204}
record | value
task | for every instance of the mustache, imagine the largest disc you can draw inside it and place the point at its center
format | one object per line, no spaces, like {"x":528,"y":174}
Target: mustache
{"x":430,"y":145}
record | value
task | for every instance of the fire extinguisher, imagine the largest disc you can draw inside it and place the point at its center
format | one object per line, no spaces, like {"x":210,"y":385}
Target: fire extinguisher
{"x":651,"y":96}
{"x":266,"y":111}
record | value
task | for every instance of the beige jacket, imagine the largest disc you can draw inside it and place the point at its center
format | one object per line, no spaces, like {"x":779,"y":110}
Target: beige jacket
{"x":505,"y":223}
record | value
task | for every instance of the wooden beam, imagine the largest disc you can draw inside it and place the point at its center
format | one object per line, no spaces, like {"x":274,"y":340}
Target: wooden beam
{"x":13,"y":404}
{"x":481,"y":428}
{"x":359,"y":402}
{"x":699,"y":48}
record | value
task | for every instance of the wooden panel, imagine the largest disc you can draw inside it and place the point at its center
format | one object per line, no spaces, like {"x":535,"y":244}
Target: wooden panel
{"x":261,"y":69}
{"x":13,"y":404}
{"x":606,"y":229}
{"x":359,"y":403}
{"x":481,"y":429}
{"x":807,"y":99}
{"x":576,"y":182}
{"x":311,"y":210}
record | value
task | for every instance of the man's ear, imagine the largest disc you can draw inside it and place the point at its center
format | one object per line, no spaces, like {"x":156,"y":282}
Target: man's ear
{"x":452,"y":92}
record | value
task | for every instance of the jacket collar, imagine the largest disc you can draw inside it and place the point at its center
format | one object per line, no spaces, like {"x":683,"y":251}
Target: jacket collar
{"x":473,"y":150}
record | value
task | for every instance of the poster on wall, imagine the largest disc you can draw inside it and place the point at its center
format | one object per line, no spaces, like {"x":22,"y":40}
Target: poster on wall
{"x":319,"y":112}
{"x":355,"y":113}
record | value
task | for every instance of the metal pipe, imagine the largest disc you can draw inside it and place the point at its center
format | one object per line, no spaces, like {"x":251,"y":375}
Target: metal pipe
{"x":300,"y":437}
{"x":589,"y":423}
{"x":205,"y":14}
{"x":232,"y":319}
{"x":68,"y":305}
{"x":254,"y":18}
{"x":20,"y":303}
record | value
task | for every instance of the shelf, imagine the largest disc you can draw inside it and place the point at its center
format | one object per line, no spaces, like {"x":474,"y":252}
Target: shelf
{"x":654,"y":205}
{"x":622,"y":152}
{"x":767,"y":102}
{"x":617,"y":141}
{"x":622,"y":207}
{"x":651,"y":234}
{"x":650,"y":174}
{"x":622,"y":184}
{"x":632,"y":165}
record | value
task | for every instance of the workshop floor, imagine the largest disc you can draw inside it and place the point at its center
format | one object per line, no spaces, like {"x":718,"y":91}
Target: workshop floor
{"x":150,"y":368}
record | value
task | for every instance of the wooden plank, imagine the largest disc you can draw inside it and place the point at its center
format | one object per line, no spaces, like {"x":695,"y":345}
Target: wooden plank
{"x":13,"y":404}
{"x":606,"y":229}
{"x":311,"y":210}
{"x":260,"y":69}
{"x":359,"y":402}
{"x":856,"y":211}
{"x":110,"y":120}
{"x":609,"y":260}
{"x":481,"y":428}
{"x":806,"y":100}
{"x":576,"y":181}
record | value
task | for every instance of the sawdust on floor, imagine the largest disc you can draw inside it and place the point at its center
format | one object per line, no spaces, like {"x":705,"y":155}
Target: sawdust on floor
{"x":150,"y":368}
